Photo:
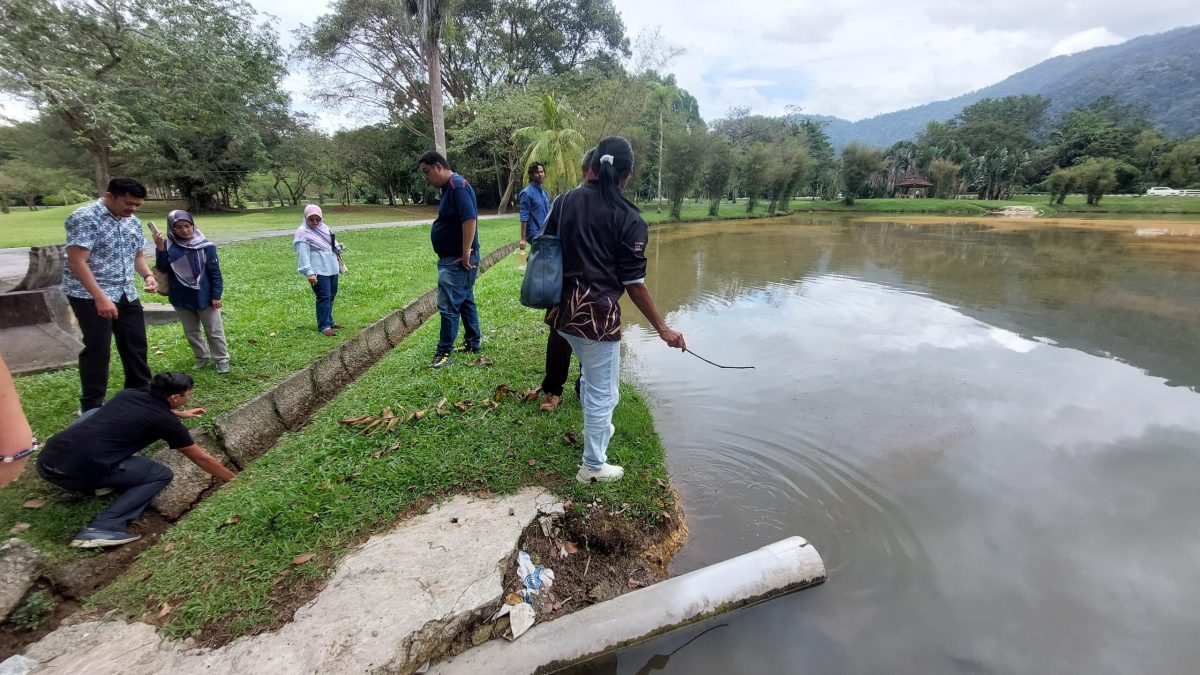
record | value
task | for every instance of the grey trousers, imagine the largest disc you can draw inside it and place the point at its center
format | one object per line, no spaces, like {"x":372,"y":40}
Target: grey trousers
{"x":210,"y":319}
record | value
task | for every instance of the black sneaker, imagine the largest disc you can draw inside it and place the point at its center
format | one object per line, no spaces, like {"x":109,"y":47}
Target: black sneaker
{"x":90,"y":537}
{"x":469,"y":349}
{"x":440,"y":360}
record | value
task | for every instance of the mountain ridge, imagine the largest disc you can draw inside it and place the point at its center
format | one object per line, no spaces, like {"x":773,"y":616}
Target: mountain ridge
{"x":1160,"y":72}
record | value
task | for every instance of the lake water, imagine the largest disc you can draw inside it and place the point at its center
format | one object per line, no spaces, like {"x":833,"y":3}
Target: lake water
{"x":990,"y":431}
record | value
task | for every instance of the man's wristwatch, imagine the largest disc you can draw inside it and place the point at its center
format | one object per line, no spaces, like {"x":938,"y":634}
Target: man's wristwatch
{"x":22,"y":454}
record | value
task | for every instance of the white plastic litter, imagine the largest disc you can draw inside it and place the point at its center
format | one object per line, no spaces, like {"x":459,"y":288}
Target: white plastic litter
{"x":520,"y":618}
{"x":535,"y":577}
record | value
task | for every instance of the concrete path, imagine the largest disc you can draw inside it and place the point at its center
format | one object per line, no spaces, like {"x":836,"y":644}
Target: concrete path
{"x":14,"y":261}
{"x":389,"y":606}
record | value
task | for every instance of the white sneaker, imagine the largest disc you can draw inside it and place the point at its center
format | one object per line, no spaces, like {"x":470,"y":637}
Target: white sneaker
{"x":605,"y":474}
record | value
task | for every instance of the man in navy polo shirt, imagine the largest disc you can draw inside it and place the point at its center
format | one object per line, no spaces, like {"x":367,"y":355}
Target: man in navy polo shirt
{"x":456,"y":243}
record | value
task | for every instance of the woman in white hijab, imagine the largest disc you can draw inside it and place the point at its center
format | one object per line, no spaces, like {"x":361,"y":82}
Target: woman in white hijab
{"x":317,"y":260}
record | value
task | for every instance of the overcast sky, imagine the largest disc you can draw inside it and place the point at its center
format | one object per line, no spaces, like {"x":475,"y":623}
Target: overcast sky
{"x":853,"y":59}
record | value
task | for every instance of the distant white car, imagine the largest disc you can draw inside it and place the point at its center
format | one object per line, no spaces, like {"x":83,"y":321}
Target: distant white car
{"x":1162,"y":192}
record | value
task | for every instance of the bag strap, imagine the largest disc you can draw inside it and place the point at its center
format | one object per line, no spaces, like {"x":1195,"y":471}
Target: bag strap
{"x":552,"y":219}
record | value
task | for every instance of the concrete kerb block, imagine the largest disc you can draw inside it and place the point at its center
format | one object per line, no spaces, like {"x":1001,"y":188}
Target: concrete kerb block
{"x":376,"y":338}
{"x":393,"y":325}
{"x":19,"y":564}
{"x":250,"y":430}
{"x":496,"y":256}
{"x":296,"y":398}
{"x":417,"y":311}
{"x":356,"y":355}
{"x":329,"y":374}
{"x":190,"y":480}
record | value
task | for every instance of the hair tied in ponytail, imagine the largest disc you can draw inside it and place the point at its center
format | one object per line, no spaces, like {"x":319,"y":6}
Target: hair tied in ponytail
{"x":606,"y":159}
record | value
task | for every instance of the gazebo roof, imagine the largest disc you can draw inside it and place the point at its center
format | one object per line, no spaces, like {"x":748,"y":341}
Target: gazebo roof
{"x":914,"y":181}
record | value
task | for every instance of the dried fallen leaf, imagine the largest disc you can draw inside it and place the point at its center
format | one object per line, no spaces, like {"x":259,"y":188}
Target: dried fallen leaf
{"x":531,"y":462}
{"x":159,"y":352}
{"x":441,"y":402}
{"x":34,"y":503}
{"x":387,"y":413}
{"x":463,"y":404}
{"x":484,"y":494}
{"x":391,"y":423}
{"x":512,"y":511}
{"x":169,"y":547}
{"x":481,"y":361}
{"x":303,"y":558}
{"x":513,"y":599}
{"x":252,"y":341}
{"x":271,"y":334}
{"x":502,"y":390}
{"x":531,"y":394}
{"x":634,"y":583}
{"x":232,"y":520}
{"x":567,"y":505}
{"x":660,"y":482}
{"x":510,"y":453}
{"x":419,"y":414}
{"x":21,"y":527}
{"x":570,"y":439}
{"x":164,"y":610}
{"x":378,"y":454}
{"x":570,"y":548}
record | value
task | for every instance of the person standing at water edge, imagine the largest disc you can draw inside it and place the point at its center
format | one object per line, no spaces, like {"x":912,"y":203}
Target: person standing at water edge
{"x":99,"y":452}
{"x":456,"y":243}
{"x":195,"y":288}
{"x":604,"y":241}
{"x":558,"y":351}
{"x":316,"y":259}
{"x":104,"y":249}
{"x":535,"y":204}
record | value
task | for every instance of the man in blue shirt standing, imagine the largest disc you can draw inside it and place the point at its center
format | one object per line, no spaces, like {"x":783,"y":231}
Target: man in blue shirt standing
{"x":456,"y":243}
{"x":104,"y":248}
{"x":535,"y":204}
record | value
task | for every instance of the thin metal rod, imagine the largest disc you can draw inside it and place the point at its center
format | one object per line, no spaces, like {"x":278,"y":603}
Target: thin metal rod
{"x":717,"y":364}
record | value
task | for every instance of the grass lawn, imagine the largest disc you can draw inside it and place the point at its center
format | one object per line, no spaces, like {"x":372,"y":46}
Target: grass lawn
{"x":45,"y":226}
{"x":327,"y":487}
{"x":270,"y":325}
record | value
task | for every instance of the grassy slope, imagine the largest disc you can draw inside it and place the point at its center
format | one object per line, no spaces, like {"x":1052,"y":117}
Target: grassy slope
{"x":264,"y":295}
{"x":323,"y":489}
{"x":45,"y":226}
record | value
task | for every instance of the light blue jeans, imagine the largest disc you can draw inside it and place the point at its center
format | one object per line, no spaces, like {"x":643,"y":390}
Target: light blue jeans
{"x":599,"y":392}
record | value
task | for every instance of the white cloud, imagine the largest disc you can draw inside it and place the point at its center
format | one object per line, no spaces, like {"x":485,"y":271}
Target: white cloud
{"x":1085,"y":40}
{"x":867,"y":57}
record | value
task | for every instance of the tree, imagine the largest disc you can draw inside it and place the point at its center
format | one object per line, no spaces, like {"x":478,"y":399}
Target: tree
{"x":30,"y":182}
{"x":1060,"y":183}
{"x":662,"y":97}
{"x":943,"y":173}
{"x":688,"y":147}
{"x":432,"y":16}
{"x":751,"y":173}
{"x":299,"y":161}
{"x":553,"y":141}
{"x":719,"y":163}
{"x":125,"y":75}
{"x":486,"y":127}
{"x":991,"y":124}
{"x":859,"y":164}
{"x":1097,"y":176}
{"x":1181,"y":166}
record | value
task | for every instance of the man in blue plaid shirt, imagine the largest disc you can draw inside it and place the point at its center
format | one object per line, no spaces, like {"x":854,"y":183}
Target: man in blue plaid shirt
{"x":104,"y":249}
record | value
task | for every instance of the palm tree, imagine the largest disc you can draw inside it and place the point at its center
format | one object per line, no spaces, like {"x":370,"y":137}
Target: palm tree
{"x":663,"y":97}
{"x":433,"y":15}
{"x":553,"y":142}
